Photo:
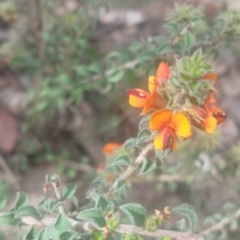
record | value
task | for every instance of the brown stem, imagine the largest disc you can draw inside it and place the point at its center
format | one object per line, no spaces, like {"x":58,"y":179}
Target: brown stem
{"x":122,"y":228}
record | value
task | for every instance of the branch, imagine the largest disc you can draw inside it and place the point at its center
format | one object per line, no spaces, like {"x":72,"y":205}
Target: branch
{"x":220,"y":225}
{"x":55,"y":185}
{"x":122,"y":228}
{"x":131,"y":169}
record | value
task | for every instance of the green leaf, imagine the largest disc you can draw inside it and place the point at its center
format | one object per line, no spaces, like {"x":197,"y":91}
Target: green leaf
{"x":179,"y":226}
{"x":43,"y":234}
{"x":143,"y":135}
{"x":147,"y":166}
{"x":93,"y":215}
{"x":146,"y":57}
{"x":135,"y":212}
{"x":160,"y":40}
{"x":7,"y":218}
{"x":61,"y":225}
{"x":144,"y":123}
{"x":189,"y":40}
{"x":69,"y":235}
{"x":119,"y":185}
{"x":3,"y":201}
{"x":131,"y":142}
{"x":172,"y":28}
{"x":165,"y":48}
{"x":187,"y":211}
{"x":22,"y":200}
{"x":113,"y":205}
{"x":136,"y":47}
{"x":69,"y":191}
{"x":27,"y":211}
{"x":159,"y":156}
{"x":196,"y":21}
{"x":54,"y":205}
{"x":197,"y":55}
{"x":99,"y":180}
{"x":121,"y":160}
{"x":32,"y":234}
{"x":112,"y":168}
{"x":116,"y":76}
{"x":100,"y":201}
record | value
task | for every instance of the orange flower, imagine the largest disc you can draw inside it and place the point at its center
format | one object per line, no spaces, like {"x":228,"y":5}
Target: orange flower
{"x":210,"y":116}
{"x":111,"y":147}
{"x":169,"y":126}
{"x":139,"y":98}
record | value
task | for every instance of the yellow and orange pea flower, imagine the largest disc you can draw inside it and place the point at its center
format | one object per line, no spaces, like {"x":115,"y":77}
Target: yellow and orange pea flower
{"x":169,"y":126}
{"x":140,"y":98}
{"x":210,"y":116}
{"x":111,"y":148}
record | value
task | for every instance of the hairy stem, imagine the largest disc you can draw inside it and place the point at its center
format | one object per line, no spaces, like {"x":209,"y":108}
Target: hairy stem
{"x":131,"y":169}
{"x":78,"y":226}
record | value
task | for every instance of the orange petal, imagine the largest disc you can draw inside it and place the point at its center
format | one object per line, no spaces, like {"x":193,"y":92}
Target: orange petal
{"x":181,"y":125}
{"x":165,"y":139}
{"x":110,"y":147}
{"x":137,"y":97}
{"x":152,"y":86}
{"x":160,"y":119}
{"x":219,"y":115}
{"x":149,"y":103}
{"x":163,"y":72}
{"x":209,"y":123}
{"x":210,"y":76}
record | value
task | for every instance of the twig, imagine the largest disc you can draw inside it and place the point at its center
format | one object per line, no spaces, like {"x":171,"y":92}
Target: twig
{"x":220,"y":225}
{"x":131,"y":169}
{"x":55,"y":184}
{"x":122,"y":228}
{"x":8,"y":173}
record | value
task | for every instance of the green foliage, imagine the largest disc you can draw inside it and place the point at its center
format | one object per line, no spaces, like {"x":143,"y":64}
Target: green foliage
{"x":187,"y":211}
{"x":135,"y":212}
{"x":93,"y":215}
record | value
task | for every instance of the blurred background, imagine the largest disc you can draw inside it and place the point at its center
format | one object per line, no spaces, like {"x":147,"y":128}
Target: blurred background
{"x":65,"y":68}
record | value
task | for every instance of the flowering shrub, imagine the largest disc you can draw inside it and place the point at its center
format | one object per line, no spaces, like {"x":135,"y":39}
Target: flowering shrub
{"x":178,"y":98}
{"x":181,"y":96}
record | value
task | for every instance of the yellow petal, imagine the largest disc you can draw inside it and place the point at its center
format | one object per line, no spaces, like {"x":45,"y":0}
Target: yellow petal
{"x":210,"y":123}
{"x":152,"y":86}
{"x":137,"y":97}
{"x":181,"y":125}
{"x":160,"y":119}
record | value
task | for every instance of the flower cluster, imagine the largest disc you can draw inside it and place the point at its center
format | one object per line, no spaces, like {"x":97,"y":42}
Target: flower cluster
{"x":178,"y":98}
